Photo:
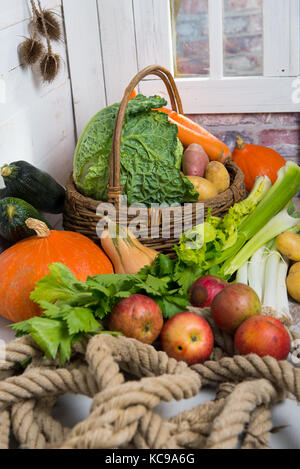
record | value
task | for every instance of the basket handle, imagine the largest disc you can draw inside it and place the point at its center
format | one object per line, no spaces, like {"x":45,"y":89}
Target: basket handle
{"x":114,"y":188}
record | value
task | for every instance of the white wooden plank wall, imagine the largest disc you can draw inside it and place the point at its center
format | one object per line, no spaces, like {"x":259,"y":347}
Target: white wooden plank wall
{"x":85,"y":56}
{"x":117,"y":35}
{"x":153,"y":33}
{"x":36,"y":119}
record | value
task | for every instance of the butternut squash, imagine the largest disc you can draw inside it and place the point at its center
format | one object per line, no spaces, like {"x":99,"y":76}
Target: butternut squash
{"x":126,"y":253}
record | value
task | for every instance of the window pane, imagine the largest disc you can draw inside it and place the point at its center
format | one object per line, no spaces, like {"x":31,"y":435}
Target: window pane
{"x":243,"y":37}
{"x":190,"y":37}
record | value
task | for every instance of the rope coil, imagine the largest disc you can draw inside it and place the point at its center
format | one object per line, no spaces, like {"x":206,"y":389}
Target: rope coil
{"x":122,"y":414}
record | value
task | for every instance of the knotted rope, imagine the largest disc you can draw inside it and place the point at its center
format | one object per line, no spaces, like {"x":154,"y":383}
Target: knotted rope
{"x":123,"y":411}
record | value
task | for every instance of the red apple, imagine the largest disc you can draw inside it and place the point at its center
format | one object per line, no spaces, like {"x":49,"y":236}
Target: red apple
{"x":264,"y":336}
{"x":233,"y":305}
{"x":203,"y":291}
{"x":138,"y":317}
{"x":187,"y":337}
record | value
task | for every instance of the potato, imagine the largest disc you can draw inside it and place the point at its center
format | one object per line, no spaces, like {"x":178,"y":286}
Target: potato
{"x":205,"y":188}
{"x":194,"y":161}
{"x":288,"y":244}
{"x":218,"y":175}
{"x":293,"y":285}
{"x":295,"y":268}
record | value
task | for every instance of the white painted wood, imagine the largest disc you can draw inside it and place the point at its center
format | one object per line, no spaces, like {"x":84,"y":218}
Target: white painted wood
{"x":36,"y":118}
{"x":231,"y":95}
{"x":23,"y":85}
{"x":215,"y":15}
{"x":295,"y":38}
{"x":281,"y":37}
{"x":15,"y":11}
{"x":85,"y":59}
{"x":12,"y":37}
{"x":153,"y":33}
{"x":42,"y":133}
{"x":118,"y":41}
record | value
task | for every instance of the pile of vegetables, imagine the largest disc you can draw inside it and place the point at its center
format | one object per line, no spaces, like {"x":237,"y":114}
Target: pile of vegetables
{"x":59,"y":287}
{"x":222,"y":246}
{"x":71,"y":308}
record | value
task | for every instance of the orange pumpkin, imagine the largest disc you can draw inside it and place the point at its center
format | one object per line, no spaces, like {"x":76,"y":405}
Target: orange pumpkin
{"x":256,"y":160}
{"x":28,"y":261}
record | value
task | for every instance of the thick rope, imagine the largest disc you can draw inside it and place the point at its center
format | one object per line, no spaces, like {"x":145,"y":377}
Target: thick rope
{"x":5,"y":423}
{"x":123,"y":413}
{"x":236,"y":369}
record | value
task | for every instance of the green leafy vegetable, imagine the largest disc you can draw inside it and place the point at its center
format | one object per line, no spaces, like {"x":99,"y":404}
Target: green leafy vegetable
{"x":150,"y":155}
{"x":72,"y":309}
{"x":204,"y":243}
{"x":220,"y":244}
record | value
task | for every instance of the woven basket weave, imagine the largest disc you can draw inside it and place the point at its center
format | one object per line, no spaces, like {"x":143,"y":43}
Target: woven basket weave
{"x":80,"y":211}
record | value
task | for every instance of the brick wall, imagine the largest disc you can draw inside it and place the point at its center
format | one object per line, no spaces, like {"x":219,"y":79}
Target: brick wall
{"x":278,"y":131}
{"x":243,"y":39}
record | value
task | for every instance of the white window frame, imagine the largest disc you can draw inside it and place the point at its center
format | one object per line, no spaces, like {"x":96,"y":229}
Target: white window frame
{"x":110,"y":40}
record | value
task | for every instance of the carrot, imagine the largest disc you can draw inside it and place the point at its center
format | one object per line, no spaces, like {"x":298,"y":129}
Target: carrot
{"x":133,"y":94}
{"x":213,"y":149}
{"x":190,"y":132}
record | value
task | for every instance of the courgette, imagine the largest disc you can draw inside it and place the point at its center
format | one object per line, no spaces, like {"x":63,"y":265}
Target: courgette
{"x":13,"y":214}
{"x":38,"y":188}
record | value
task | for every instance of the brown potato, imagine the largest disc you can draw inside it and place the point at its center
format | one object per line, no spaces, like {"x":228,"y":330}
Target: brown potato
{"x":205,"y":188}
{"x":218,"y":175}
{"x":295,"y":268}
{"x":194,"y":161}
{"x":293,"y":285}
{"x":288,"y":244}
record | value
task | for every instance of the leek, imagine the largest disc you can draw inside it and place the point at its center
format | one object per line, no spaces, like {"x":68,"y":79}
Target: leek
{"x":242,"y":274}
{"x":282,"y":296}
{"x":275,"y":292}
{"x":256,"y":271}
{"x":267,"y":271}
{"x":271,"y":276}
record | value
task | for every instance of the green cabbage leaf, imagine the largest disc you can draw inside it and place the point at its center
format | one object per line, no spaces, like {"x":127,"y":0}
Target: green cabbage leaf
{"x":151,"y":155}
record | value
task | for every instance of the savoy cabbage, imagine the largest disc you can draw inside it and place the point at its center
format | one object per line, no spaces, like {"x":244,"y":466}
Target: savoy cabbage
{"x":150,"y":155}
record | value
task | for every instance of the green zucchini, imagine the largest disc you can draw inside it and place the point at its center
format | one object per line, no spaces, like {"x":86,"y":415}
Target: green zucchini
{"x":5,"y":193}
{"x":38,"y":188}
{"x":13,"y":214}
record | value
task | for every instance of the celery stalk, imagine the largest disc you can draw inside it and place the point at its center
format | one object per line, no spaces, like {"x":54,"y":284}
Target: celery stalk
{"x":280,"y":223}
{"x":261,"y":187}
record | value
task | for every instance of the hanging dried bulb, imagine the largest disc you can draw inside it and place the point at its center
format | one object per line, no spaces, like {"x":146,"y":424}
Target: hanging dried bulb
{"x":50,"y":66}
{"x":31,"y":51}
{"x":52,"y":25}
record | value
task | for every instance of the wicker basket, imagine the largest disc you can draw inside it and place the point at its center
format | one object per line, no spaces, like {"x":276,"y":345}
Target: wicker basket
{"x":80,"y":211}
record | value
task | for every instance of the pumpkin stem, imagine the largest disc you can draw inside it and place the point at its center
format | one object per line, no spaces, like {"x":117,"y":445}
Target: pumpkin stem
{"x":6,"y":171}
{"x":240,"y":144}
{"x":39,"y":227}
